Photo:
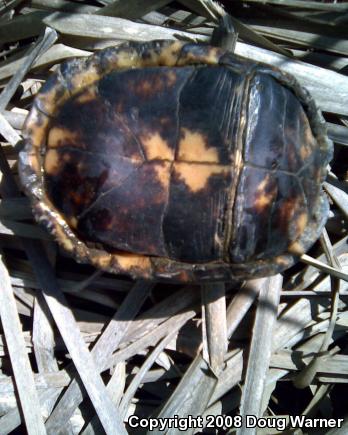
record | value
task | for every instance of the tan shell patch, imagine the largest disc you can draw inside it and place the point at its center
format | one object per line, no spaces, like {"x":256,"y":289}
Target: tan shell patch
{"x":309,"y":142}
{"x":59,"y":136}
{"x":132,"y":261}
{"x":169,"y":55}
{"x":36,"y":126}
{"x":52,"y":162}
{"x":156,"y":147}
{"x":210,"y":56}
{"x":128,"y":58}
{"x":84,"y":78}
{"x":193,"y":147}
{"x":196,"y":176}
{"x":264,"y":196}
{"x":296,"y":248}
{"x":163,"y":173}
{"x":89,"y":94}
{"x":302,"y":220}
{"x":103,"y":260}
{"x":50,"y":101}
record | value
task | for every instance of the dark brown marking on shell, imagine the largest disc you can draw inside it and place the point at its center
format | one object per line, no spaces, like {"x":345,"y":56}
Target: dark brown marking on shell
{"x":209,"y":107}
{"x":96,"y":127}
{"x":147,"y":102}
{"x":278,"y":134}
{"x":192,"y":224}
{"x":74,"y":179}
{"x":270,"y":213}
{"x":128,"y":217}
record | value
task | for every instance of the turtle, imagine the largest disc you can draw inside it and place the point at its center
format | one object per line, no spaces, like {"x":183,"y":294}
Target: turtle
{"x":180,"y":161}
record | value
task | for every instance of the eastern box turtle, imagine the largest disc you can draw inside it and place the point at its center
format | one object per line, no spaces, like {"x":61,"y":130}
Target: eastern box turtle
{"x":179,"y":161}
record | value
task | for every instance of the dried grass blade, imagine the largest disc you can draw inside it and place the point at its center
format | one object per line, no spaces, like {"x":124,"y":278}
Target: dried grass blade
{"x":22,"y":27}
{"x":191,"y":396}
{"x":324,"y":267}
{"x":338,"y":133}
{"x":132,"y":9}
{"x":260,"y":348}
{"x":43,"y":381}
{"x":64,"y":6}
{"x":302,"y":4}
{"x":240,"y":305}
{"x":75,"y":344}
{"x":43,"y":346}
{"x":8,"y":5}
{"x":211,"y":9}
{"x":116,"y":386}
{"x":20,"y":363}
{"x":289,"y":330}
{"x":100,"y":27}
{"x":322,"y":83}
{"x":132,"y":388}
{"x":102,"y":350}
{"x":8,"y":132}
{"x":23,"y":230}
{"x":55,"y":54}
{"x":318,"y":41}
{"x":150,"y":338}
{"x":48,"y":39}
{"x":339,"y":196}
{"x":16,"y":120}
{"x":181,"y":301}
{"x":214,"y":320}
{"x":306,"y":376}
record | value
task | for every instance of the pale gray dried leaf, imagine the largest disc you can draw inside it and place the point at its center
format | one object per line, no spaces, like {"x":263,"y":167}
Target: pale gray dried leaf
{"x":136,"y":381}
{"x":132,"y":9}
{"x":211,"y":9}
{"x":55,"y":54}
{"x":149,"y":339}
{"x":41,"y":46}
{"x":22,"y":27}
{"x":295,"y":360}
{"x":304,"y":4}
{"x":8,"y":5}
{"x":64,"y":6}
{"x":324,"y":267}
{"x":96,"y":26}
{"x":20,"y":363}
{"x":102,"y":350}
{"x":191,"y":396}
{"x":338,"y":133}
{"x":320,"y":82}
{"x":8,"y":132}
{"x":260,"y":348}
{"x":307,"y":39}
{"x":240,"y":305}
{"x":339,"y":196}
{"x":214,"y":321}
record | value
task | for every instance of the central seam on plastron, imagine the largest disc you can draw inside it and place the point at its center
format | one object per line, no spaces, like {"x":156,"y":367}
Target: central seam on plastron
{"x":236,"y":169}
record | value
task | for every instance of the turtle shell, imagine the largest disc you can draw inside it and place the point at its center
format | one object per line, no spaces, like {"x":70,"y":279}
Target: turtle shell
{"x":178,"y":161}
